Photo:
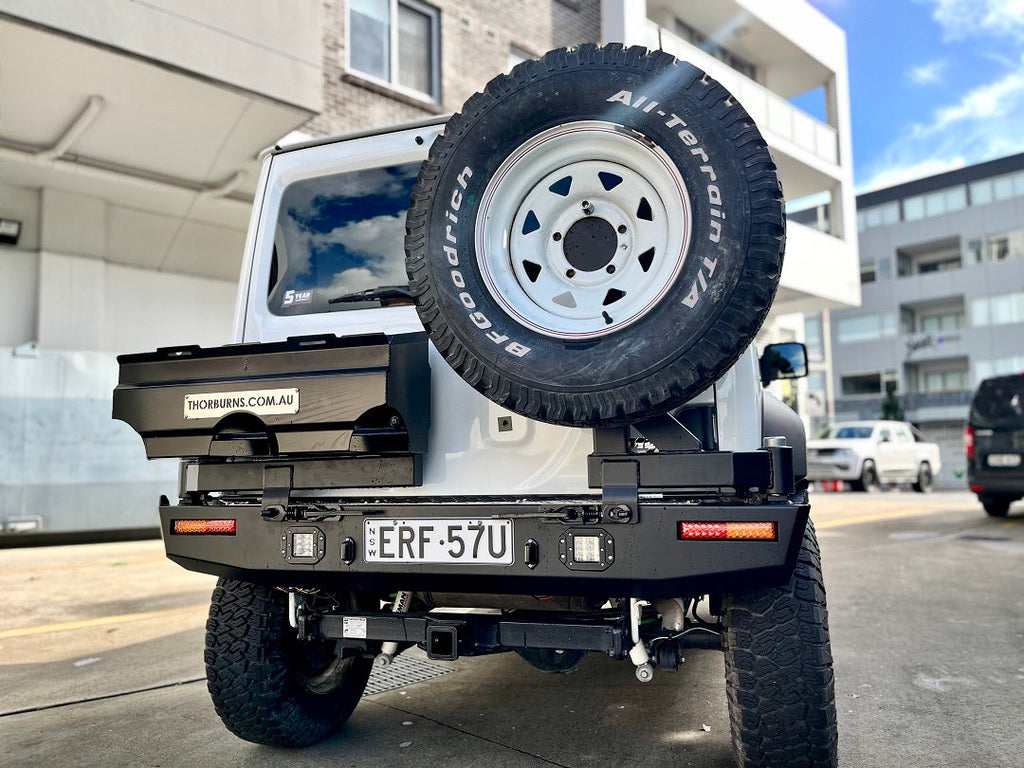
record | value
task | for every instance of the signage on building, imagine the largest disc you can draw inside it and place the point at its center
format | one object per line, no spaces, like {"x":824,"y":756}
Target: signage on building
{"x":929,"y":341}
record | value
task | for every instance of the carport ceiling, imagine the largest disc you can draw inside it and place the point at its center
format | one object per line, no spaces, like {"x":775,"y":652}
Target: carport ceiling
{"x":151,"y":123}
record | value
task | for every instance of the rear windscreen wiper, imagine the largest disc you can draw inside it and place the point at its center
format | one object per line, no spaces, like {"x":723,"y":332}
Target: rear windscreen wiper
{"x":374,"y":294}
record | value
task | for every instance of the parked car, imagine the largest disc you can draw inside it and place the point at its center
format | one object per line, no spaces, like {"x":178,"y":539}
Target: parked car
{"x":867,"y":454}
{"x":994,"y":442}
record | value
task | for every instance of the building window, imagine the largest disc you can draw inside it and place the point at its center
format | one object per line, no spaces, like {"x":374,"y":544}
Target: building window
{"x":908,"y":321}
{"x":879,"y":215}
{"x":866,"y":328}
{"x":913,"y":208}
{"x":997,"y":188}
{"x":1007,"y":245}
{"x":1004,"y":366}
{"x":998,"y":310}
{"x":945,"y":381}
{"x":975,"y":252}
{"x":812,"y":337}
{"x":867,"y":272}
{"x":396,"y":42}
{"x":935,"y":203}
{"x":981,"y":192}
{"x":1002,"y":187}
{"x":923,"y":258}
{"x":942,"y":322}
{"x":861,"y":384}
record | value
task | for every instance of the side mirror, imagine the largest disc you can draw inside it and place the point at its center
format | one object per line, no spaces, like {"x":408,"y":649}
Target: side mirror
{"x":783,"y":361}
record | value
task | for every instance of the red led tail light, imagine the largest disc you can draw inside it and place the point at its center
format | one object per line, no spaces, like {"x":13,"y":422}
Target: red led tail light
{"x":724,"y":531}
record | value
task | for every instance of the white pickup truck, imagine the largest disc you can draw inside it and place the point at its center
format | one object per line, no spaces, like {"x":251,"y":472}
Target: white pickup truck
{"x":867,"y":454}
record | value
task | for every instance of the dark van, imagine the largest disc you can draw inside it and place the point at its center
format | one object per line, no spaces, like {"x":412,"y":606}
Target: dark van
{"x":994,"y":441}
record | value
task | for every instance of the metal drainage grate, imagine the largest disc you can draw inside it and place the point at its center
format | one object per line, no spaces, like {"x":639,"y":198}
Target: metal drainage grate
{"x":403,"y":671}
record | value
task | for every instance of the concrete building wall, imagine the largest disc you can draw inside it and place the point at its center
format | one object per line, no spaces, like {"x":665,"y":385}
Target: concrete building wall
{"x":69,"y":310}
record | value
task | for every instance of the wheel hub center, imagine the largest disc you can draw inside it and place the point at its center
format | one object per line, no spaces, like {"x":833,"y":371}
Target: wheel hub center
{"x":590,"y":244}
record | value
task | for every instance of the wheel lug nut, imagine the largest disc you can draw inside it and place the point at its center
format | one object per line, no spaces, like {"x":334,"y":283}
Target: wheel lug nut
{"x":622,"y":229}
{"x":588,"y":207}
{"x":557,"y":236}
{"x":570,"y":273}
{"x":610,"y":269}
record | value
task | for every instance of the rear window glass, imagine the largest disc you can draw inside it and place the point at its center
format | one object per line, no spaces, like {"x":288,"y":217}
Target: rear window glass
{"x":339,"y":234}
{"x":849,"y":433}
{"x":999,"y":401}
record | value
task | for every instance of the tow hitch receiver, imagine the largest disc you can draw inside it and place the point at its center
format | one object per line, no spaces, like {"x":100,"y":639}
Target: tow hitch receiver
{"x":474,"y":634}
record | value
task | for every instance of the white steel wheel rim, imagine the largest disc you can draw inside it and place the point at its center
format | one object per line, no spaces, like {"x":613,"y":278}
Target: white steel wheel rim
{"x":583,"y":230}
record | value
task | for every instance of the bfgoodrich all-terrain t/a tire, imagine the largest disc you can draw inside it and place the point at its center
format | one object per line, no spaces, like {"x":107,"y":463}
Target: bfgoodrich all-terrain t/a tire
{"x":597,"y":236}
{"x":778,"y":667}
{"x":267,"y":686}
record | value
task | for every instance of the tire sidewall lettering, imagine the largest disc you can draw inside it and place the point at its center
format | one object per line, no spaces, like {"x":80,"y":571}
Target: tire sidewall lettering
{"x":467,"y":292}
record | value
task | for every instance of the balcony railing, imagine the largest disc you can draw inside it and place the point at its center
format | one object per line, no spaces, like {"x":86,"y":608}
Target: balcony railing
{"x":849,"y":408}
{"x":772,"y":113}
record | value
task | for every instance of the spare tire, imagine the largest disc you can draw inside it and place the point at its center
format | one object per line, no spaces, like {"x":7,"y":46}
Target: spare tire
{"x":597,"y":236}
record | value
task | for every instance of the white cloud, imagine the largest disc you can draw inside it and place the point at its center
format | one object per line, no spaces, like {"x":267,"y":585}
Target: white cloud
{"x":961,"y":19}
{"x":897,"y":174}
{"x":380,"y":241}
{"x":998,"y":99}
{"x":928,"y":74}
{"x":979,"y":125}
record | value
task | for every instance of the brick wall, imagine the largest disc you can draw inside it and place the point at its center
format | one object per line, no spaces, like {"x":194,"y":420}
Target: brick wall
{"x":476,"y":38}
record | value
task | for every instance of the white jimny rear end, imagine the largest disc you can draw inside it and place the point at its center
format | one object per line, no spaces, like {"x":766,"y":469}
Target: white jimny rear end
{"x":504,"y":362}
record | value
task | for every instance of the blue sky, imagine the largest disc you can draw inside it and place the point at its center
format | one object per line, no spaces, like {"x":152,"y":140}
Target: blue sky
{"x":934,"y":84}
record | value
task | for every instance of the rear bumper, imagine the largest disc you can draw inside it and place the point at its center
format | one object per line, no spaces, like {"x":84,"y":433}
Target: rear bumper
{"x":996,"y":484}
{"x":650,"y":559}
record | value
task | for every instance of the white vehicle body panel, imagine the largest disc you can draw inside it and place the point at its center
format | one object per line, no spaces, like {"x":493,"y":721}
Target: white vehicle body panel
{"x":467,"y":455}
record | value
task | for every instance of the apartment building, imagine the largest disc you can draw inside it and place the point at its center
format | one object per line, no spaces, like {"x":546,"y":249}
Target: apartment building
{"x":942,"y":282}
{"x":129,"y":143}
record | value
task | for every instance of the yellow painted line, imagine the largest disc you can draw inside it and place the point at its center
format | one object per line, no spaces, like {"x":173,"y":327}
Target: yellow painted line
{"x":878,"y":516}
{"x":103,"y":621}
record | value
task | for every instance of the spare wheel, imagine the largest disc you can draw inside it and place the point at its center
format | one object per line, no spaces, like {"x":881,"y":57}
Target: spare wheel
{"x":597,"y":236}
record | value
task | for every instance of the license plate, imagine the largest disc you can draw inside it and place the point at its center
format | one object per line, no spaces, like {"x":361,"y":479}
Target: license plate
{"x":1004,"y":459}
{"x":431,"y":540}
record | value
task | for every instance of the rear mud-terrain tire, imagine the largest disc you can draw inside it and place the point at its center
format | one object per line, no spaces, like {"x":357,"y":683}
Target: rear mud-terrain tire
{"x":868,"y":480}
{"x":996,"y":506}
{"x":597,"y":236}
{"x":778,"y":666}
{"x":923,"y":484}
{"x":267,"y":686}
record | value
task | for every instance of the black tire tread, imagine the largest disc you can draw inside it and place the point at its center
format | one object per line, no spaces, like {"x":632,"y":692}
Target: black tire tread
{"x":250,"y":678}
{"x":997,"y":506}
{"x":779,"y":676}
{"x":711,"y":356}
